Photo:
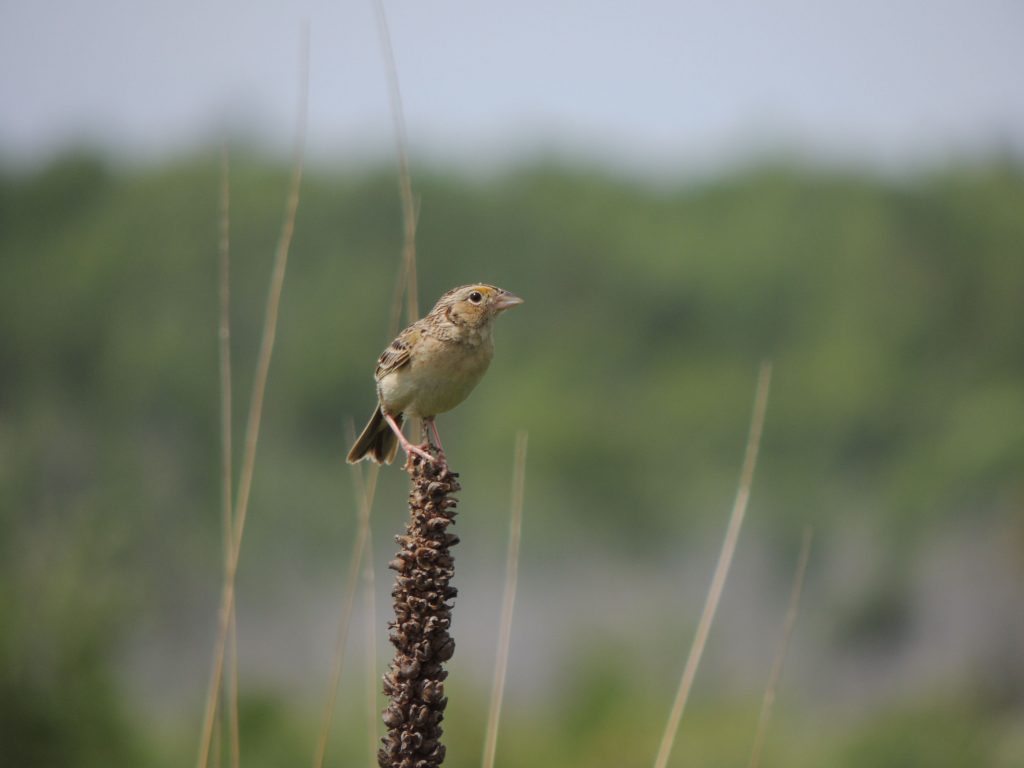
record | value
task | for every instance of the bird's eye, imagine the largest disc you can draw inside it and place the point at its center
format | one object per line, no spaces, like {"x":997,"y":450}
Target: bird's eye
{"x":476,"y":297}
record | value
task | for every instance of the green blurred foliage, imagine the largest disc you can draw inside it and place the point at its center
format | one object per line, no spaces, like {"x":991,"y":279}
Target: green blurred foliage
{"x":891,"y":308}
{"x":936,"y":735}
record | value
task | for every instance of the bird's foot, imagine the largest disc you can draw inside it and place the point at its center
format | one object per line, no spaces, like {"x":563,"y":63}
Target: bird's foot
{"x":416,"y":450}
{"x":433,"y":438}
{"x":428,"y":453}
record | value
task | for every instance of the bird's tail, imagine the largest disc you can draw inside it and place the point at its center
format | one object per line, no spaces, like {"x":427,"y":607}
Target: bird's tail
{"x":378,"y":441}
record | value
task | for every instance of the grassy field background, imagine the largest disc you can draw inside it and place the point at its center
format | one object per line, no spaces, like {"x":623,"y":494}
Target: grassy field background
{"x":891,"y":307}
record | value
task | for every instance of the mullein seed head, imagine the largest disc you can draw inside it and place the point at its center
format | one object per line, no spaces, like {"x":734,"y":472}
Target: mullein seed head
{"x":414,"y":682}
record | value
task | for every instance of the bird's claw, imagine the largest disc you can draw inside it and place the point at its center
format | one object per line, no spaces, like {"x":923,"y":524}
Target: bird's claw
{"x":423,"y":453}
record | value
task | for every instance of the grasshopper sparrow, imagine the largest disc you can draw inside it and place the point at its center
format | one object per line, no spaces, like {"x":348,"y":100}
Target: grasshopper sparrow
{"x":430,"y":368}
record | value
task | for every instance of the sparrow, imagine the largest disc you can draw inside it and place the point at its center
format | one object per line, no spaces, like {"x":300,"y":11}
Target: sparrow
{"x":430,"y":368}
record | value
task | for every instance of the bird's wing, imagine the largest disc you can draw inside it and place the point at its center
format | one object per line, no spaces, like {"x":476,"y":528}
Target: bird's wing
{"x":398,"y":353}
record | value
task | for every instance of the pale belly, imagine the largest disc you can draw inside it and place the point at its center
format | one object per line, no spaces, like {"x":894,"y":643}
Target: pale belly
{"x":425,"y":389}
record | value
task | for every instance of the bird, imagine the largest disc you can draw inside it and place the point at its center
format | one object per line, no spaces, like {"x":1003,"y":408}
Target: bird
{"x":430,"y":368}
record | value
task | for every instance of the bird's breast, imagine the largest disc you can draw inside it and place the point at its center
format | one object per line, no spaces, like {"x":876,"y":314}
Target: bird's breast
{"x":437,"y":379}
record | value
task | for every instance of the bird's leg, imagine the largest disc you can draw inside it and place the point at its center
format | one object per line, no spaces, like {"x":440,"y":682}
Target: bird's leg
{"x":408,"y":447}
{"x":431,"y":429}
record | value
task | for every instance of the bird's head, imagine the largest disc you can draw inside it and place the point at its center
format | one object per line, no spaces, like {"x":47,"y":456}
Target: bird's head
{"x":475,"y":305}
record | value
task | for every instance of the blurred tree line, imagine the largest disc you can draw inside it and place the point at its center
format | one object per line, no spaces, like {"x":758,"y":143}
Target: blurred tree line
{"x":891,"y":307}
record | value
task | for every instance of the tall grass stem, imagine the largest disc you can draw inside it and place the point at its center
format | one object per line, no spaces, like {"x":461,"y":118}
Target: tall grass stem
{"x":364,"y":503}
{"x":256,"y":401}
{"x":725,"y":556}
{"x":507,"y":602}
{"x":768,"y":702}
{"x":409,"y":207}
{"x":224,"y":348}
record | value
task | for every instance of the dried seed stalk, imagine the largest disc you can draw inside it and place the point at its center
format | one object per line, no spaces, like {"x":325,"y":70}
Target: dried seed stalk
{"x":414,"y":682}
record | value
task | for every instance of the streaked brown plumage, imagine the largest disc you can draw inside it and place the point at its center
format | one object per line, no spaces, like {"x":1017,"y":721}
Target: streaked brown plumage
{"x":431,"y":367}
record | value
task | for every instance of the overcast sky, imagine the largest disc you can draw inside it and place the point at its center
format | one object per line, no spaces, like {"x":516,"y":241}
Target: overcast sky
{"x":648,"y":83}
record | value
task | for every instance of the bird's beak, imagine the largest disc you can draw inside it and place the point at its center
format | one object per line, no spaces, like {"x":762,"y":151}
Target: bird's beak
{"x":506,"y":301}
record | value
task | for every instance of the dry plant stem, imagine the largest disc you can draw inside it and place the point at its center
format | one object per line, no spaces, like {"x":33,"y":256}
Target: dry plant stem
{"x":367,"y":498}
{"x":224,"y":339}
{"x":409,"y":208}
{"x":404,"y":284}
{"x":370,"y":601}
{"x":507,"y":602}
{"x":235,"y":743}
{"x":364,"y":503}
{"x":768,"y":703}
{"x":224,"y":336}
{"x":256,"y":405}
{"x":414,"y":682}
{"x":215,"y":746}
{"x":739,"y":509}
{"x":410,"y":219}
